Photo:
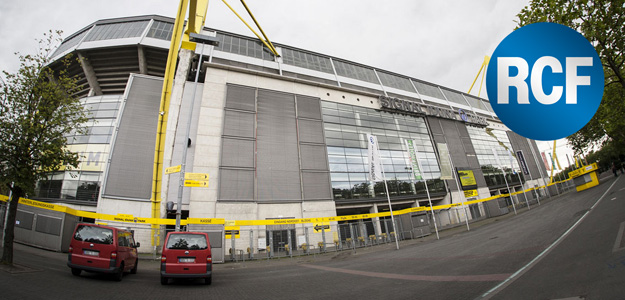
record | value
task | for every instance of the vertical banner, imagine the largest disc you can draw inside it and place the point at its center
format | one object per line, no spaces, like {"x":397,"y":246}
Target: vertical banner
{"x":375,"y":166}
{"x":545,"y":161}
{"x":557,"y":161}
{"x":414,"y":163}
{"x":443,"y":154}
{"x":511,"y":161}
{"x":522,"y":162}
{"x":553,"y":162}
{"x":497,"y":158}
{"x":567,"y":159}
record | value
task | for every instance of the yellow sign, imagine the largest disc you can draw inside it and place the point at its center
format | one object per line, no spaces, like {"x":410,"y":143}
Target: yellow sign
{"x":174,"y":169}
{"x":229,"y":230}
{"x":196,"y":176}
{"x":322,"y":226}
{"x":466,"y":177}
{"x":196,"y":183}
{"x":470,"y":193}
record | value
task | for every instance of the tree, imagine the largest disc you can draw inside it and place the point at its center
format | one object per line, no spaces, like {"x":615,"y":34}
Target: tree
{"x":37,"y":111}
{"x":602,"y":22}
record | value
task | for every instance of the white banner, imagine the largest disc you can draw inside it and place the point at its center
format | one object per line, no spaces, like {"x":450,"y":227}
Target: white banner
{"x":443,"y":153}
{"x":511,"y":162}
{"x":497,"y":158}
{"x":414,"y":162}
{"x":375,"y":165}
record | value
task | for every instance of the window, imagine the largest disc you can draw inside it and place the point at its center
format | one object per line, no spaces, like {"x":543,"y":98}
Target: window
{"x":93,"y":234}
{"x":161,"y":30}
{"x":187,"y":242}
{"x":347,"y":153}
{"x":350,"y":70}
{"x":307,"y":60}
{"x":117,"y":31}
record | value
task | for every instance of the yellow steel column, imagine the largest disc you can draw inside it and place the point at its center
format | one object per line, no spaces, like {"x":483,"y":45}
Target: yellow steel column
{"x":172,"y":57}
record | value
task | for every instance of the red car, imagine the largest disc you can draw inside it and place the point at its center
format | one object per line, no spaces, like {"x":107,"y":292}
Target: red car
{"x":102,"y":249}
{"x":186,"y":255}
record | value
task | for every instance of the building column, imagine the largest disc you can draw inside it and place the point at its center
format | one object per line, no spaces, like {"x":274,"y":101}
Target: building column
{"x":90,"y":74}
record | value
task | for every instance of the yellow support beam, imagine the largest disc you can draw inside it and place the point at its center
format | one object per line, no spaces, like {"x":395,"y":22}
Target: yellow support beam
{"x":273,"y":49}
{"x":482,"y":68}
{"x":196,"y":22}
{"x":248,"y":26}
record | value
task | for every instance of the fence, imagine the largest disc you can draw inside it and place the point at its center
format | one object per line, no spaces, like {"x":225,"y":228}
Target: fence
{"x":262,"y":239}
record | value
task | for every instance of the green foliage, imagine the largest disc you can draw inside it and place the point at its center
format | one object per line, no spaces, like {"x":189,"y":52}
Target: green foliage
{"x":602,"y":22}
{"x":37,"y":110}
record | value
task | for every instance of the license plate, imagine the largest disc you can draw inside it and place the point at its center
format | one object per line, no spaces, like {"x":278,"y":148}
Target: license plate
{"x":186,"y":259}
{"x":91,"y":252}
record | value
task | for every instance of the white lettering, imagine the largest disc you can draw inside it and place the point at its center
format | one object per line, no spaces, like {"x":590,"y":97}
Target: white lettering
{"x":572,"y":80}
{"x":537,"y":80}
{"x":505,"y":81}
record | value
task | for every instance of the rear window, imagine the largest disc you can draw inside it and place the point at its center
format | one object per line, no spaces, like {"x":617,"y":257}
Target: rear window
{"x":187,"y":242}
{"x":96,"y":235}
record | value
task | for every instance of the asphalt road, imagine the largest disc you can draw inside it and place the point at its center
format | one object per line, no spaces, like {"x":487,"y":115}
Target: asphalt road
{"x":564,"y":248}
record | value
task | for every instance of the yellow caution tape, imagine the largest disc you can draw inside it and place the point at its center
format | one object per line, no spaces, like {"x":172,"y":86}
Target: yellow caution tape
{"x":218,"y":221}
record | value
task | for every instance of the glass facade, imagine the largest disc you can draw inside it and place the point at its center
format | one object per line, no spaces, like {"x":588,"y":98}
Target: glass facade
{"x":242,"y":46}
{"x":346,"y":128}
{"x":71,"y":42}
{"x":83,"y":183}
{"x":354,"y":71}
{"x":486,"y":139}
{"x":161,"y":30}
{"x":307,"y":60}
{"x":117,"y":31}
{"x":103,"y":114}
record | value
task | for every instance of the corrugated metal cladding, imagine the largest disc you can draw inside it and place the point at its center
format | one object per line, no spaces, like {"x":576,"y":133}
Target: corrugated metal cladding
{"x":134,"y":145}
{"x":266,"y":135}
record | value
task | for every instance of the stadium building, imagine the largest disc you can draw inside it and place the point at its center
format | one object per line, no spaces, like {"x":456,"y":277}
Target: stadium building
{"x":280,"y":137}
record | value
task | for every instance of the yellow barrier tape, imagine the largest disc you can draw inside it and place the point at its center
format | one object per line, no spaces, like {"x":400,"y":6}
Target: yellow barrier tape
{"x":219,"y":221}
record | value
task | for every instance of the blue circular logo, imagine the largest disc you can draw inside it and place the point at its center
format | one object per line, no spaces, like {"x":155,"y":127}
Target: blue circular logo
{"x":545,"y":81}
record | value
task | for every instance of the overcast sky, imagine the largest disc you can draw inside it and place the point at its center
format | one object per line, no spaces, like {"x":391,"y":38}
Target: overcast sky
{"x":443,"y":42}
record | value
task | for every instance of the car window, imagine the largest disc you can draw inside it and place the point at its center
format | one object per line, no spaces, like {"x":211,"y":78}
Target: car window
{"x":187,"y":242}
{"x":92,"y":234}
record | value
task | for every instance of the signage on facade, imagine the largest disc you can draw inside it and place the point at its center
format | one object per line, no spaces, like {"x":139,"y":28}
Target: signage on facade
{"x":519,"y":155}
{"x":405,"y":106}
{"x":467,"y":179}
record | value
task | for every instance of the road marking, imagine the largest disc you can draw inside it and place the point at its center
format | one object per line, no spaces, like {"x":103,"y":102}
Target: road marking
{"x":464,"y":278}
{"x":613,"y":199}
{"x":619,"y":239}
{"x":540,"y":256}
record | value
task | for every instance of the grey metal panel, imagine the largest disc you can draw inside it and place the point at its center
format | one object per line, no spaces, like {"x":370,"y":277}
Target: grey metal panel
{"x":239,"y":124}
{"x":49,"y":225}
{"x":310,"y":131}
{"x":24,"y":219}
{"x":314,"y":157}
{"x":237,"y":153}
{"x":308,"y":107}
{"x":316,"y":185}
{"x":236,"y":184}
{"x":130,"y":169}
{"x":241,"y":97}
{"x":278,"y":175}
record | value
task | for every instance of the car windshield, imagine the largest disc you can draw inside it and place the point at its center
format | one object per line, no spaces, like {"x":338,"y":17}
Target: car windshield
{"x":187,"y":242}
{"x":92,"y":234}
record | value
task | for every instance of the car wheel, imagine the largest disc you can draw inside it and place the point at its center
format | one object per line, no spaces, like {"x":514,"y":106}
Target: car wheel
{"x":134,"y":269}
{"x":120,"y":274}
{"x":208,"y":280}
{"x":76,"y":272}
{"x":164,"y":280}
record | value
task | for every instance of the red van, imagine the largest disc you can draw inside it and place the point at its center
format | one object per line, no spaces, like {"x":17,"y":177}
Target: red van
{"x":102,"y":249}
{"x":186,"y":255}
